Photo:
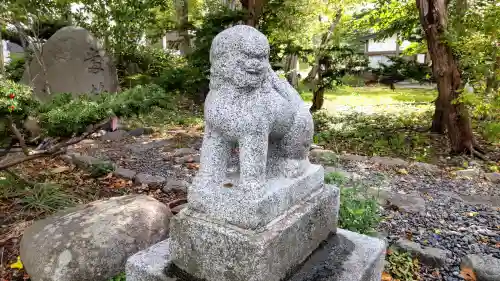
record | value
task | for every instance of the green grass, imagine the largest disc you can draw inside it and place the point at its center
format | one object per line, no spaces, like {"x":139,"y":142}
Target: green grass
{"x":161,"y":119}
{"x":363,"y":96}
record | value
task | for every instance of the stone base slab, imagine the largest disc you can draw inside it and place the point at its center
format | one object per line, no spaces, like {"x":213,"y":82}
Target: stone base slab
{"x":255,"y":209}
{"x":344,"y":256}
{"x":217,"y":251}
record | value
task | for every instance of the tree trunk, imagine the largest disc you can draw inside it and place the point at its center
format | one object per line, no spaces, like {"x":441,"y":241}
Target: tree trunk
{"x":314,"y":70}
{"x":182,"y":23}
{"x":433,"y":17}
{"x":318,"y":99}
{"x":254,"y":8}
{"x":291,"y":69}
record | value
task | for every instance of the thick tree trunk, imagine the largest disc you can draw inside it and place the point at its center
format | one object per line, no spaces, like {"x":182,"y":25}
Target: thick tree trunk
{"x":318,"y":99}
{"x":439,"y":120}
{"x":314,"y":70}
{"x":433,"y":17}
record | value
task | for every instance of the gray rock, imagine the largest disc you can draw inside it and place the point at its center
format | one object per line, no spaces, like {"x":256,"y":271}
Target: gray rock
{"x":115,"y":135}
{"x":148,"y":179}
{"x":467,"y":173}
{"x":173,"y":184}
{"x":427,"y":255}
{"x":179,"y":152}
{"x":388,"y":161}
{"x":323,"y":154}
{"x":93,"y":241}
{"x":125,"y":173}
{"x":75,"y":63}
{"x":66,"y":159}
{"x":86,"y":162}
{"x":187,"y":159}
{"x":353,"y":157}
{"x":412,"y":202}
{"x":150,"y":264}
{"x":347,"y":175}
{"x":486,"y":268}
{"x":141,"y":131}
{"x":493,"y":177}
{"x":425,"y":167}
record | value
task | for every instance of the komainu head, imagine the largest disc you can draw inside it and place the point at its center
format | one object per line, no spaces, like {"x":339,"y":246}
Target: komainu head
{"x":239,"y":56}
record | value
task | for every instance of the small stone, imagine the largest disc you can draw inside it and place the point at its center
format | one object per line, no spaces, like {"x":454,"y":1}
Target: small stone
{"x":353,"y":157}
{"x":188,"y":159}
{"x":115,"y":135}
{"x":428,"y":255}
{"x":86,"y":162}
{"x":388,"y":161}
{"x":493,"y":177}
{"x":66,"y":158}
{"x":148,"y":179}
{"x":183,"y":152}
{"x":125,"y":173}
{"x":425,"y":167}
{"x":467,"y":173}
{"x":141,"y":131}
{"x":412,"y":202}
{"x":315,"y":146}
{"x":322,"y":154}
{"x":486,"y":268}
{"x":175,"y":184}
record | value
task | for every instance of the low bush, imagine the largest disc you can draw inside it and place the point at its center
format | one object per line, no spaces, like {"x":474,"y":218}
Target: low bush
{"x":401,"y":266}
{"x":14,"y":70}
{"x":359,"y":211}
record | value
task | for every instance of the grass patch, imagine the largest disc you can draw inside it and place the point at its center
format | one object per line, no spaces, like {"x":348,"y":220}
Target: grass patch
{"x":359,"y":211}
{"x":363,"y":96}
{"x":396,"y":135}
{"x":39,"y":198}
{"x":185,"y":113}
{"x":119,"y":277}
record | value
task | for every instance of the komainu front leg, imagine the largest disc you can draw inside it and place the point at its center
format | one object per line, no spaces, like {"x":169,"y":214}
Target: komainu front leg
{"x":215,"y":153}
{"x":253,"y":158}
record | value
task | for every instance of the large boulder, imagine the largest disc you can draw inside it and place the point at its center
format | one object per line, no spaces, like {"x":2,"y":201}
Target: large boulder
{"x":74,"y":63}
{"x":93,"y":241}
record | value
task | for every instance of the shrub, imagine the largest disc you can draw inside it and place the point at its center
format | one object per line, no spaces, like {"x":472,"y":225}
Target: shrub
{"x":358,"y":210}
{"x":14,"y":70}
{"x":64,"y":117}
{"x":144,"y":64}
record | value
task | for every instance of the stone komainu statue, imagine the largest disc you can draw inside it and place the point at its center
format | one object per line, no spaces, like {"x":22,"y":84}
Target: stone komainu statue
{"x":250,"y":106}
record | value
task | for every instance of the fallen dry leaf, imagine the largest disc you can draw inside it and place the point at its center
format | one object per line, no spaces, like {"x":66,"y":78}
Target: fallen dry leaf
{"x":386,"y":276}
{"x":468,"y":274}
{"x":193,"y":166}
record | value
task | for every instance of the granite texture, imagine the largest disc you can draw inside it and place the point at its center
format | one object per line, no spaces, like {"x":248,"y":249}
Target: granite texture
{"x":250,"y":106}
{"x":210,"y":249}
{"x":486,"y":268}
{"x":75,"y":63}
{"x":345,"y":256}
{"x":93,"y":241}
{"x":242,"y":209}
{"x":150,"y":264}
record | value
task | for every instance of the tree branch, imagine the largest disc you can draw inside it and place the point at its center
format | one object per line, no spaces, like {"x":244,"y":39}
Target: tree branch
{"x":56,"y":149}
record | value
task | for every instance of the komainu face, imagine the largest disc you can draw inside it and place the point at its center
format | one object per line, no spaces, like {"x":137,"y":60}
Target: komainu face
{"x":240,"y":58}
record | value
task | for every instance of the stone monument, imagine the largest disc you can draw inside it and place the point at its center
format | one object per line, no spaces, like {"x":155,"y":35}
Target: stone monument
{"x":272,"y":218}
{"x":74,"y":63}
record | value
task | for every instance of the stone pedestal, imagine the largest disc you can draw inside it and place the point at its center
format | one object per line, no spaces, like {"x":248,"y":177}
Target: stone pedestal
{"x":344,"y":256}
{"x":213,"y":250}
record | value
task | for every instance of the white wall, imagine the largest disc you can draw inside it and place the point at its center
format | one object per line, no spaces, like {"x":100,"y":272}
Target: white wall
{"x":388,"y":44}
{"x":375,"y":60}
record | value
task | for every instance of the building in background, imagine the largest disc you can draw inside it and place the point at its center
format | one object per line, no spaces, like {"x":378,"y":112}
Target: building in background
{"x":379,"y":51}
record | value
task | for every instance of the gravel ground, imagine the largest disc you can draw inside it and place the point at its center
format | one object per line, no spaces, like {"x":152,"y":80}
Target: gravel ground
{"x":459,"y":215}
